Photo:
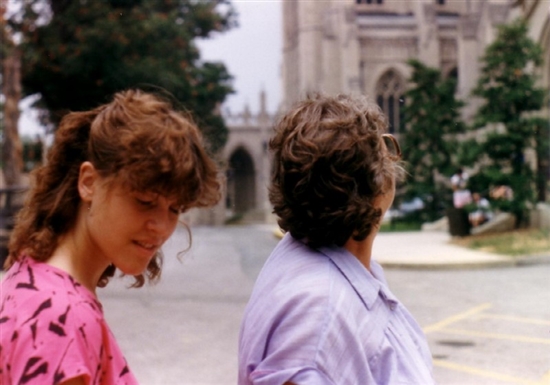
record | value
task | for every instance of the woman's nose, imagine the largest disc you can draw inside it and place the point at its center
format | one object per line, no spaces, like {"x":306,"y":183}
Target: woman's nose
{"x":161,"y":222}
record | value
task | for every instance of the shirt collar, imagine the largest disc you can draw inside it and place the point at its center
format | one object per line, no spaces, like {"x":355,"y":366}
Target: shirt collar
{"x":367,"y":285}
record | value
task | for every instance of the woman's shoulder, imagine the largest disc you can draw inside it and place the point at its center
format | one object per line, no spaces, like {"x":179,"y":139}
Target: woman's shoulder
{"x":306,"y":301}
{"x":34,"y":289}
{"x":292,"y":269}
{"x":45,"y":308}
{"x":297,"y":282}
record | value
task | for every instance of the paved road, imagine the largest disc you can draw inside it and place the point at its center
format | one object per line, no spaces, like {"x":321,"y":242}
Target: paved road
{"x":485,"y":326}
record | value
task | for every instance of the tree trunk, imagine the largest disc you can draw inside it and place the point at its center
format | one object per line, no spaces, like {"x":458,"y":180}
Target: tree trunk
{"x":12,"y":148}
{"x":542,"y":149}
{"x":543,"y":172}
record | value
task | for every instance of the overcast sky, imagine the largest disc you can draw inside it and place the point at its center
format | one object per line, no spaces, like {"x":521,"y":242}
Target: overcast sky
{"x":251,"y":53}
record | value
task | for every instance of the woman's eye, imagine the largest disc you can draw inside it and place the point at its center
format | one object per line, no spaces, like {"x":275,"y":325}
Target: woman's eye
{"x":145,"y":202}
{"x":175,"y":210}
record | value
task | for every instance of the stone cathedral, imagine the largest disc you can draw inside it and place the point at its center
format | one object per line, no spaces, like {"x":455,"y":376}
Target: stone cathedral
{"x":362,"y":46}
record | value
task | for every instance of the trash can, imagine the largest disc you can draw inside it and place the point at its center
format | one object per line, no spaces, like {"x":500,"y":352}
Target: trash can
{"x":459,"y":225}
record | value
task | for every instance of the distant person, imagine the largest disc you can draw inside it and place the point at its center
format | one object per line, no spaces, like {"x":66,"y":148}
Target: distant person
{"x":321,"y":311}
{"x":502,"y":192}
{"x":110,"y":194}
{"x":481,"y":210}
{"x":461,"y":194}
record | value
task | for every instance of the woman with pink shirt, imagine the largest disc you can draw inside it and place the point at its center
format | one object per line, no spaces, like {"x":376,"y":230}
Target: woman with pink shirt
{"x":110,"y":194}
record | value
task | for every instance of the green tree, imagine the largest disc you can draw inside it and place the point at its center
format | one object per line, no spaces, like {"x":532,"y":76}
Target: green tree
{"x":432,"y":116}
{"x":90,"y":49}
{"x":508,"y":88}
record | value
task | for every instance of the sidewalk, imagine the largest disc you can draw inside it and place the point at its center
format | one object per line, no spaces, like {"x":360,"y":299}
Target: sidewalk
{"x":433,"y":250}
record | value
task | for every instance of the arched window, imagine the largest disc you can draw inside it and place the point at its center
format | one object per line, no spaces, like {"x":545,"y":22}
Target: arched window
{"x":453,"y":73}
{"x":389,"y":96}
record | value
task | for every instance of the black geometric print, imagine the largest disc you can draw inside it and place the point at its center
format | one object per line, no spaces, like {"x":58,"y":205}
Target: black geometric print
{"x":33,"y":333}
{"x":94,"y":306}
{"x":124,"y":371}
{"x":30,"y":284}
{"x":43,"y":306}
{"x":29,"y":373}
{"x":12,"y":275}
{"x":3,"y":304}
{"x":57,"y":329}
{"x":3,"y":318}
{"x":45,"y":324}
{"x":97,"y":375}
{"x":59,"y":275}
{"x":59,"y":375}
{"x":83,"y":333}
{"x":99,"y":372}
{"x":63,"y":317}
{"x":75,"y":283}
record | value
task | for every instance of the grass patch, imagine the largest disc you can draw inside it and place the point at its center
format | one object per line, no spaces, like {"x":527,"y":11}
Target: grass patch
{"x":388,"y":227}
{"x":512,"y":243}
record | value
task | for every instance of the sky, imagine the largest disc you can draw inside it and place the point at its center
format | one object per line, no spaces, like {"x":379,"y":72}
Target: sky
{"x":251,"y":53}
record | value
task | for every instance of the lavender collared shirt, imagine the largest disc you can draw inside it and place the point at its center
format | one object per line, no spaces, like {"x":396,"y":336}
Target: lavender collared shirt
{"x":320,"y":317}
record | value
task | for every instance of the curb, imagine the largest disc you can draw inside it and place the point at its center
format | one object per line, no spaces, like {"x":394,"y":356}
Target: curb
{"x":528,"y":260}
{"x":447,"y":266}
{"x":535,"y":259}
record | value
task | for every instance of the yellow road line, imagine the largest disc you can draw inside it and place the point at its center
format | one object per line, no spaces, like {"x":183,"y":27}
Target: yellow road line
{"x":510,"y":337}
{"x":483,"y":373}
{"x":533,"y":321}
{"x":458,"y":317}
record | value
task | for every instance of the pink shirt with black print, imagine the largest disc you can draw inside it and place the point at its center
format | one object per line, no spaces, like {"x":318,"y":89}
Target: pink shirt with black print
{"x":52,"y":329}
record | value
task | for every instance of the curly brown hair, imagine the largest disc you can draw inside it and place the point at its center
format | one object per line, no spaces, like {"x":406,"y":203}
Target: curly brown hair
{"x":329,"y":165}
{"x":137,"y":141}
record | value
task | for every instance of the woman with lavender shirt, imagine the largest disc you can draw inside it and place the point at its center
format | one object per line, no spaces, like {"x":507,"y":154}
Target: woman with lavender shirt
{"x":321,"y":311}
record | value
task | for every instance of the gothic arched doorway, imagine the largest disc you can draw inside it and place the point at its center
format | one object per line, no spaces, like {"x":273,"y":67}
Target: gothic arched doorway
{"x":241,"y":189}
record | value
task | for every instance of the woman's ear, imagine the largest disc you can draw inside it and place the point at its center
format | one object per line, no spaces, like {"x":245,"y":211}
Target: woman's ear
{"x":87,"y":181}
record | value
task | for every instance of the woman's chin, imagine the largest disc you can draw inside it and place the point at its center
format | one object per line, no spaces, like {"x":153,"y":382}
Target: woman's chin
{"x":132,"y":270}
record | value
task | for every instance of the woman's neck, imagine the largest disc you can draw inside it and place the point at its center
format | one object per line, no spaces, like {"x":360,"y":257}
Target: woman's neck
{"x":362,"y":250}
{"x":73,"y":255}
